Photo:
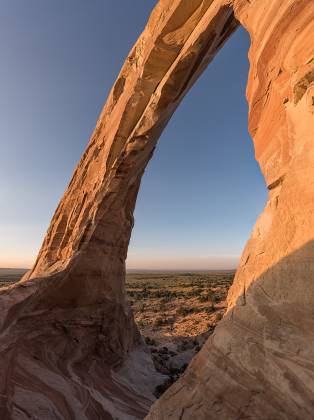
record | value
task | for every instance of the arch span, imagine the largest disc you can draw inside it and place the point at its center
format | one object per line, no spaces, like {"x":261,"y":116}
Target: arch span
{"x":69,"y":345}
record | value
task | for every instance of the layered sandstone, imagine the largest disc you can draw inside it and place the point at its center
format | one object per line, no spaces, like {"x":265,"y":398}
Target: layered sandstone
{"x":259,"y":364}
{"x":69,"y":347}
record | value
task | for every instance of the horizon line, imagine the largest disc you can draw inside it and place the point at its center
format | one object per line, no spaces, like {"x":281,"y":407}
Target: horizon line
{"x":146,"y":269}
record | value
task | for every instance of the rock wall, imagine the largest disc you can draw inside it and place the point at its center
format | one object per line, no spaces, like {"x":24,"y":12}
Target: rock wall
{"x":69,"y":347}
{"x":259,"y":364}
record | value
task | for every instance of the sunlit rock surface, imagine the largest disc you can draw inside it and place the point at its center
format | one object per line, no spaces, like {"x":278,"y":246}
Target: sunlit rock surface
{"x":69,"y":347}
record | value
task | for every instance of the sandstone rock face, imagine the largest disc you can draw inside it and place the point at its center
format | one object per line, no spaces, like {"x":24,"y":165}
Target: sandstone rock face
{"x":69,"y":347}
{"x":259,"y":364}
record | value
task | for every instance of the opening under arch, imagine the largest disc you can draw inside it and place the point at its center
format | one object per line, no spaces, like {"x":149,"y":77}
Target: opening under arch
{"x":199,"y":200}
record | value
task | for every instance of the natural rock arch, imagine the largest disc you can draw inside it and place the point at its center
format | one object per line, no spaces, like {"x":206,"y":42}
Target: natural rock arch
{"x":69,"y":347}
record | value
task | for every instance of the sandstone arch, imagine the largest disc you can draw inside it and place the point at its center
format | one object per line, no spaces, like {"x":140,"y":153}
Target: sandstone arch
{"x":68,"y":340}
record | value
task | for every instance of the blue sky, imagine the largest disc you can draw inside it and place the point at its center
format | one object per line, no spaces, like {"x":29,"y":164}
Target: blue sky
{"x":201,"y":192}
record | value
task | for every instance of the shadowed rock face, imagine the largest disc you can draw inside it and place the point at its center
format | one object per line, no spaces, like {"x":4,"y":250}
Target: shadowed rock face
{"x":69,"y":347}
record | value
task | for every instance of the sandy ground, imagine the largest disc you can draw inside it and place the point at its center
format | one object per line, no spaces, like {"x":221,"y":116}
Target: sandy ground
{"x":176,"y":312}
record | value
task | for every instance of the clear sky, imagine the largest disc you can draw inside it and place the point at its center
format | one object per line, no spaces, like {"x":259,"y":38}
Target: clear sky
{"x":201,"y":192}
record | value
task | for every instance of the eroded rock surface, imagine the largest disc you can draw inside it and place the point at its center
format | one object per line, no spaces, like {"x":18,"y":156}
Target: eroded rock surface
{"x":69,"y":347}
{"x":259,"y":364}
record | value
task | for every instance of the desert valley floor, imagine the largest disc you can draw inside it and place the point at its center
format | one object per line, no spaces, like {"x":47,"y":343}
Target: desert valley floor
{"x":175,"y":312}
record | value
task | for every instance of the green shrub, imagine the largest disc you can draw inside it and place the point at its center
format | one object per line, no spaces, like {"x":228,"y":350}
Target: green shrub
{"x":205,"y":298}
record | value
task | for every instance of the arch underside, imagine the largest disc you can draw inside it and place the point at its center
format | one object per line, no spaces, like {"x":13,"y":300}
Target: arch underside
{"x":69,"y":347}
